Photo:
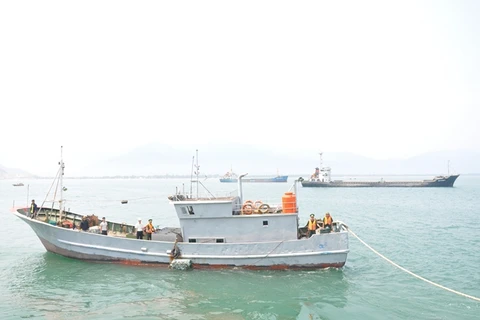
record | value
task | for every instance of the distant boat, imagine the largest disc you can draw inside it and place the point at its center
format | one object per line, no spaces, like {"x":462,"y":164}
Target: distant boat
{"x":18,"y":184}
{"x":321,"y":178}
{"x":232,"y":177}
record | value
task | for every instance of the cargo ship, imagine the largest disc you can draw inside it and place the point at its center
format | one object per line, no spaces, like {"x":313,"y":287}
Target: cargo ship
{"x":232,"y":177}
{"x":321,"y":178}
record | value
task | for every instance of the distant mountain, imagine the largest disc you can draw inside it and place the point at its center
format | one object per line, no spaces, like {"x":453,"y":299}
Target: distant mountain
{"x":433,"y":163}
{"x":159,"y":159}
{"x":13,"y":173}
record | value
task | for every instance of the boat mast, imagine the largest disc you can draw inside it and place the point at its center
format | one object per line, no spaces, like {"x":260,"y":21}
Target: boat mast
{"x":28,"y":194}
{"x":191,"y":177}
{"x":62,"y":167}
{"x":448,"y":167}
{"x":321,"y":160}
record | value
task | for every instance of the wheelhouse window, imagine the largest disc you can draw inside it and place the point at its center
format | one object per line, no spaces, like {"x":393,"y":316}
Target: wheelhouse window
{"x":187,"y":210}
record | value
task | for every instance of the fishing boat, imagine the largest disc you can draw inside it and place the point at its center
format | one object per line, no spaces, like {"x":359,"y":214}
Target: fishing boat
{"x":18,"y":184}
{"x":322,"y":178}
{"x":232,"y":177}
{"x":216,"y":231}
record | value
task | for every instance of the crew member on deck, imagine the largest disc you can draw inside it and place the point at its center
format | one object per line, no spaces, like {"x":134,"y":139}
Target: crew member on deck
{"x":327,"y":221}
{"x":104,"y":226}
{"x":33,"y":209}
{"x":312,"y":226}
{"x":84,"y":224}
{"x":149,"y":229}
{"x":139,"y":227}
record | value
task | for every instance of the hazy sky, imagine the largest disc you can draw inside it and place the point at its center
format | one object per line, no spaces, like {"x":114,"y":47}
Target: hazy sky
{"x":378,"y":78}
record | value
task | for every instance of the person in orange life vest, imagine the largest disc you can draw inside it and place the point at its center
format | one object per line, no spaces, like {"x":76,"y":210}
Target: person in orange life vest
{"x":328,"y":221}
{"x":312,"y":226}
{"x":149,"y":229}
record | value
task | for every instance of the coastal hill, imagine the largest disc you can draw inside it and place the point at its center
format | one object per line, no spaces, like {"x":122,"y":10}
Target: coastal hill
{"x":215,"y":160}
{"x":158,"y":159}
{"x":13,"y":173}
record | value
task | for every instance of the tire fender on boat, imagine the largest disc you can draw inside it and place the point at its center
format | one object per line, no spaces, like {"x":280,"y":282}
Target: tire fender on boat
{"x":247,"y":208}
{"x":263,"y":208}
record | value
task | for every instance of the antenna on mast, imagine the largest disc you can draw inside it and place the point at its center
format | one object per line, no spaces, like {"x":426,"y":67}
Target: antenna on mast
{"x":197,"y":167}
{"x":197,"y":174}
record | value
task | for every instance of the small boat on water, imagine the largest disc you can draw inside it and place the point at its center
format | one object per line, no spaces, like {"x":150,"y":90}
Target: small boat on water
{"x":232,"y":177}
{"x":322,"y":178}
{"x":18,"y":184}
{"x":215,"y":232}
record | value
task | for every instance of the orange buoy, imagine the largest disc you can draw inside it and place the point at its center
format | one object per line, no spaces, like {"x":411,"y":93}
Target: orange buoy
{"x":289,"y":202}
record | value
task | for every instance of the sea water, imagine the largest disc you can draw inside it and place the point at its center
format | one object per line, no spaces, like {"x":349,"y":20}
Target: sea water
{"x":433,"y":232}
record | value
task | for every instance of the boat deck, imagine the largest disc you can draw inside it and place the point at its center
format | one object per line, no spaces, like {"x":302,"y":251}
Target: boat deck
{"x":115,"y":229}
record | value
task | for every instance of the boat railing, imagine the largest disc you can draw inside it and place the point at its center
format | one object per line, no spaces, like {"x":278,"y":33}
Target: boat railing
{"x":120,"y":227}
{"x":52,"y":216}
{"x":339,"y":226}
{"x":203,"y":196}
{"x":259,"y":206}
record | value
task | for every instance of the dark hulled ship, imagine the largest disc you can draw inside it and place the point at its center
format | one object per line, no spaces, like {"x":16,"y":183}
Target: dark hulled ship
{"x":321,"y":178}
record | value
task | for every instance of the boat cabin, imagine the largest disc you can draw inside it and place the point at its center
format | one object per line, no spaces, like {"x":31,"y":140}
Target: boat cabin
{"x":229,"y":220}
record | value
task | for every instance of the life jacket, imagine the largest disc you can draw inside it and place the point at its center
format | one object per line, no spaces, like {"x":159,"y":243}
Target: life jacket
{"x":327,"y":220}
{"x":312,"y":225}
{"x":32,"y":208}
{"x":149,"y":228}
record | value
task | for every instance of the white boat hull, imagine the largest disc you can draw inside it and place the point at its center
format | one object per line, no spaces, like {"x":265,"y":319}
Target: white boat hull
{"x":319,"y":251}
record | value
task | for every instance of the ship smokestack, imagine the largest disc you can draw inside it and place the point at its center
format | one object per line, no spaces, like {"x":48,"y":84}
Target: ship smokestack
{"x":240,"y":190}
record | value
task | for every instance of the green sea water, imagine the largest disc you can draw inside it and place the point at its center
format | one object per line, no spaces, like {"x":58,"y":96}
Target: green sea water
{"x":433,"y":232}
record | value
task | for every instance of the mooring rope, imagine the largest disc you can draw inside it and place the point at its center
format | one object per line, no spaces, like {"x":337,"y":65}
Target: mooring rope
{"x":410,"y":272}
